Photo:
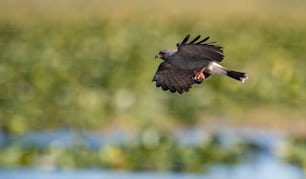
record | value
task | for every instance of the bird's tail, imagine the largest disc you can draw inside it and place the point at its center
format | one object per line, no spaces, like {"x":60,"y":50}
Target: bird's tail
{"x":237,"y":75}
{"x":215,"y":68}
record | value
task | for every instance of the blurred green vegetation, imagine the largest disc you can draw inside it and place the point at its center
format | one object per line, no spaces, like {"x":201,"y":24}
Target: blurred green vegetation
{"x":149,"y":150}
{"x":294,"y":151}
{"x":86,"y":75}
{"x":89,"y":66}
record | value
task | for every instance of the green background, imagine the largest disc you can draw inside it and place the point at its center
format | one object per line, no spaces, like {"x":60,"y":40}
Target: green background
{"x":88,"y":65}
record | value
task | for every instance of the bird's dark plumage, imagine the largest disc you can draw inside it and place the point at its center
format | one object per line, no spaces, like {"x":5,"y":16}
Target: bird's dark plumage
{"x":168,"y":77}
{"x":194,"y":55}
{"x":191,"y":63}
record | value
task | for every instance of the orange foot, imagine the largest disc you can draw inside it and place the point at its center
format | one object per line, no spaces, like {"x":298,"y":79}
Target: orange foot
{"x":199,"y":75}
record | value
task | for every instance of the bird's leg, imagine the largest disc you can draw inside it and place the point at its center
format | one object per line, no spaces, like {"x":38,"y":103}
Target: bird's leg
{"x":199,"y":75}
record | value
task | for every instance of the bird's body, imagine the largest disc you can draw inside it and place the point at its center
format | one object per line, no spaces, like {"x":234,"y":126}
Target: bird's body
{"x":191,"y":63}
{"x":180,"y":62}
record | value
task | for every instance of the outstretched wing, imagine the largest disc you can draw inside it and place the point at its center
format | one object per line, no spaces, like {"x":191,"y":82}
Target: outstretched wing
{"x":200,"y":52}
{"x":173,"y":79}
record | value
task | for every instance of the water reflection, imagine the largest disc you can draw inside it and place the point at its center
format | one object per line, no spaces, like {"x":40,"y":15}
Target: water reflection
{"x":261,"y":164}
{"x":263,"y":167}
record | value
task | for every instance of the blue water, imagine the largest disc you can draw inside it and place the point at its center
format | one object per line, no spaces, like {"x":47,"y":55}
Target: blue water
{"x":262,"y":168}
{"x":261,"y":165}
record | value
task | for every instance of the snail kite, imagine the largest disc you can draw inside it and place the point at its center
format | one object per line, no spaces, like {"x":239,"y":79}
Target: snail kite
{"x":191,"y":63}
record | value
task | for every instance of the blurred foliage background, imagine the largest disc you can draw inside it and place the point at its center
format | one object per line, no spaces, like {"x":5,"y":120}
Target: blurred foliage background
{"x":88,"y":65}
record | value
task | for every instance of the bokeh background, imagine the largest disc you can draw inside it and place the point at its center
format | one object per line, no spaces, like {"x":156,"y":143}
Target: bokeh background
{"x":84,"y":68}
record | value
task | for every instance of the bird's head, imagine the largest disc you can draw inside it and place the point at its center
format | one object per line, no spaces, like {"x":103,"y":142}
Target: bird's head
{"x":165,"y":54}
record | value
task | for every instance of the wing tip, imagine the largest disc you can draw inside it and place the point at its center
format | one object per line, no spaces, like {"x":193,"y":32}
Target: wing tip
{"x":185,"y":40}
{"x":194,"y":41}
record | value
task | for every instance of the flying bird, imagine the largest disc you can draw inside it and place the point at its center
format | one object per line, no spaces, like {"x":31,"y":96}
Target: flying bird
{"x":191,"y":63}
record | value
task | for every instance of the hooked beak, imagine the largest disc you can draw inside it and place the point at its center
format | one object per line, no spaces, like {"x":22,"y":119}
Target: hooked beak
{"x":158,"y":56}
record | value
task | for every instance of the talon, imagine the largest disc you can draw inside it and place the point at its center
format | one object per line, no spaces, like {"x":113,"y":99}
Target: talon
{"x":199,"y":75}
